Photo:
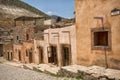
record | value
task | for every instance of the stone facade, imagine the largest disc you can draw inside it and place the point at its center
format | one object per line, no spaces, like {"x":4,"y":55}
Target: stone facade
{"x":17,"y":51}
{"x":28,"y":52}
{"x":8,"y":51}
{"x":4,"y":39}
{"x":60,"y":46}
{"x":23,"y":43}
{"x":97,"y":33}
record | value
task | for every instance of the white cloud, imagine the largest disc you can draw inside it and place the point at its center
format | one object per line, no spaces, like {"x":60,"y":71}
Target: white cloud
{"x":50,"y":13}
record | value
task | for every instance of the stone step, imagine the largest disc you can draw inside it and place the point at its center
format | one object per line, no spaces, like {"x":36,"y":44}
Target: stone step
{"x":52,"y":70}
{"x":91,"y":73}
{"x":71,"y":70}
{"x":41,"y":67}
{"x":99,"y":73}
{"x":112,"y":74}
{"x":29,"y":66}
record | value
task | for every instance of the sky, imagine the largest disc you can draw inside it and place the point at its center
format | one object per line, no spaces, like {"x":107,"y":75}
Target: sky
{"x":63,"y":8}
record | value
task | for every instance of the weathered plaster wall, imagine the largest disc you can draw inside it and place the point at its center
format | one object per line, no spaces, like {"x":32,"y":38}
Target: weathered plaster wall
{"x":29,"y":47}
{"x":59,"y":36}
{"x":37,"y":45}
{"x":17,"y":48}
{"x":86,"y":10}
{"x":8,"y":50}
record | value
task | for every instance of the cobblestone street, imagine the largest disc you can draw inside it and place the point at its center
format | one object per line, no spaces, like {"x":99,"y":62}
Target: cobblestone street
{"x":8,"y":72}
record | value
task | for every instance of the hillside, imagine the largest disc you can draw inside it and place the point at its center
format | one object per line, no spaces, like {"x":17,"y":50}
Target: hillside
{"x":10,"y":9}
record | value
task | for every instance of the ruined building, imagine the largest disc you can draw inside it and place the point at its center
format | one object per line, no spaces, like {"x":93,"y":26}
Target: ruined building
{"x":60,"y":46}
{"x":97,"y":32}
{"x":55,"y":45}
{"x":6,"y":39}
{"x":23,"y":46}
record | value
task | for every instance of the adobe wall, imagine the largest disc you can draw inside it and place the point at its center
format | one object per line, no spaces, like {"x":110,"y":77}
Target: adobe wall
{"x":58,"y":37}
{"x":16,"y":49}
{"x":86,"y":10}
{"x":29,"y":47}
{"x":38,"y":44}
{"x":8,"y":51}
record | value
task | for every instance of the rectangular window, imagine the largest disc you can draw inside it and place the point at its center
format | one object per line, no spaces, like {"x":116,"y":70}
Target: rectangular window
{"x":66,"y":54}
{"x":0,"y":39}
{"x":27,"y":36}
{"x":17,"y":37}
{"x":101,"y":38}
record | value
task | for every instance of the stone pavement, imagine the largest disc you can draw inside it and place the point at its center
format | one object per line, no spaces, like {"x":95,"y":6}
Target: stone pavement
{"x":87,"y":73}
{"x":2,"y":60}
{"x":8,"y":72}
{"x":16,"y":64}
{"x":43,"y":68}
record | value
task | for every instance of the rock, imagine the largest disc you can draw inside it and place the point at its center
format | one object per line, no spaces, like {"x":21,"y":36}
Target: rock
{"x":52,"y":70}
{"x":29,"y":66}
{"x":103,"y":79}
{"x":112,"y":74}
{"x":71,"y":70}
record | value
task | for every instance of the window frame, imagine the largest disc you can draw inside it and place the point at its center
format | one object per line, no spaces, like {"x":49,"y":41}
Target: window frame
{"x":27,"y":36}
{"x":93,"y":30}
{"x":17,"y":37}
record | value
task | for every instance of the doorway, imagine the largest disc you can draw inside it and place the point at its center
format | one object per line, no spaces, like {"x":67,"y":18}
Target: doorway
{"x":8,"y":56}
{"x":53,"y":55}
{"x":66,"y":55}
{"x":11,"y":56}
{"x":1,"y":50}
{"x":30,"y":57}
{"x":40,"y":54}
{"x":19,"y":55}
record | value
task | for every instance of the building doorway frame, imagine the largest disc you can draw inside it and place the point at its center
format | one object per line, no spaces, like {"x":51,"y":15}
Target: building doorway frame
{"x":41,"y":57}
{"x":66,"y":57}
{"x":19,"y":55}
{"x":53,"y":54}
{"x":30,"y":56}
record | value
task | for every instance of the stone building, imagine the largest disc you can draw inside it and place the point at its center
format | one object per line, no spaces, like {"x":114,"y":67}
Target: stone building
{"x":23,"y":43}
{"x":97,"y":32}
{"x":6,"y":47}
{"x":3,"y":36}
{"x":60,"y":46}
{"x":23,"y":46}
{"x":8,"y":51}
